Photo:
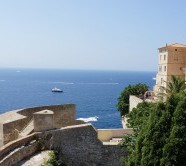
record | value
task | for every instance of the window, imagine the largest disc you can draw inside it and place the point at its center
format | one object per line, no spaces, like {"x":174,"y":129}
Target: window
{"x":164,"y":57}
{"x":165,"y":68}
{"x":175,"y":49}
{"x":160,"y":57}
{"x":160,"y":68}
{"x":161,"y":81}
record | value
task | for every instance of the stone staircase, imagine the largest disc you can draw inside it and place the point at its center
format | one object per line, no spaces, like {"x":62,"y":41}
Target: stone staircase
{"x":27,"y":130}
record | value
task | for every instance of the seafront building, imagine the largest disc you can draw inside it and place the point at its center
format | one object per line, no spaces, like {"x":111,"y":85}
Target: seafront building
{"x":171,"y":61}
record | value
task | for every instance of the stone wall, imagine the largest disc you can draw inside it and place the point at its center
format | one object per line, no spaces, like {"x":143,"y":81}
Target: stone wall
{"x":18,"y":150}
{"x":77,"y":145}
{"x":133,"y":102}
{"x":1,"y":135}
{"x":43,"y":120}
{"x":64,"y":115}
{"x":9,"y":129}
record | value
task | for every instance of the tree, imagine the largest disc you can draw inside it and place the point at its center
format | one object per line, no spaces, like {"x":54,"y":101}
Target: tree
{"x":174,"y":86}
{"x":161,"y":138}
{"x":123,"y":100}
{"x":140,"y":115}
{"x":138,"y":118}
{"x":174,"y":151}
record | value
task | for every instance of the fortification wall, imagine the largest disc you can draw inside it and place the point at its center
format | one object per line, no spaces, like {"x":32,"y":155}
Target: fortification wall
{"x":1,"y":135}
{"x":63,"y":114}
{"x":17,"y":150}
{"x":77,"y":145}
{"x":133,"y":102}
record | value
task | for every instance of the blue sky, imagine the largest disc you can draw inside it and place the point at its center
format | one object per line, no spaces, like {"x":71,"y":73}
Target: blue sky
{"x":88,"y":34}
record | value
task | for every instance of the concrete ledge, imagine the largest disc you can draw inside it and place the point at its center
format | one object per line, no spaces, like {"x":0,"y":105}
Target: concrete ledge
{"x":108,"y":134}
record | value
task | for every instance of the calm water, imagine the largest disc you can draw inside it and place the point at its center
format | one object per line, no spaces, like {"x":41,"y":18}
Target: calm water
{"x":94,"y":92}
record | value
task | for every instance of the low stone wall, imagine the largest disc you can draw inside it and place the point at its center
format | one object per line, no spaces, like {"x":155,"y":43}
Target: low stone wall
{"x":1,"y":135}
{"x":9,"y":129}
{"x":107,"y":134}
{"x":77,"y":145}
{"x":64,"y":115}
{"x":17,"y":150}
{"x":133,"y":102}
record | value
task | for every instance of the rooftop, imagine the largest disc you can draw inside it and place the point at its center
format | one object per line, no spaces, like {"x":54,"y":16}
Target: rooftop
{"x":174,"y":45}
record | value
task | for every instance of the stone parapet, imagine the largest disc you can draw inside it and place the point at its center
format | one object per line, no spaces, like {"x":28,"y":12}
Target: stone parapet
{"x":13,"y":121}
{"x":77,"y":145}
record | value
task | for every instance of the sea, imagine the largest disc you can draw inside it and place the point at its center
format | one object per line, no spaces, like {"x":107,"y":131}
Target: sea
{"x":95,"y":93}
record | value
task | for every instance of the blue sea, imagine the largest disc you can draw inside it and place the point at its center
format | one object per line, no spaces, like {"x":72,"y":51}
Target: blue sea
{"x":95,"y":93}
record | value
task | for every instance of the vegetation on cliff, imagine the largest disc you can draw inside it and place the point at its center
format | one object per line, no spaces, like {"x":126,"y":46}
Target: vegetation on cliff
{"x":123,"y":100}
{"x":53,"y":160}
{"x":160,"y":132}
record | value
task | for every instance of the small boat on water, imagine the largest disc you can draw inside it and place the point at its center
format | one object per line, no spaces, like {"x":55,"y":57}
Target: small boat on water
{"x":56,"y":90}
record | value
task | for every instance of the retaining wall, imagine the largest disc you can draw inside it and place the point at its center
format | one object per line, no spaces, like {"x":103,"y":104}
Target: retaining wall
{"x":77,"y":145}
{"x":17,"y":150}
{"x":64,"y":115}
{"x":133,"y":102}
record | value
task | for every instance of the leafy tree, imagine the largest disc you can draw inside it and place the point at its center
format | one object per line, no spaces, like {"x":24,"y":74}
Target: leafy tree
{"x":161,"y":137}
{"x":137,"y":119}
{"x":140,"y":115}
{"x":174,"y":151}
{"x":174,"y":86}
{"x":123,"y":100}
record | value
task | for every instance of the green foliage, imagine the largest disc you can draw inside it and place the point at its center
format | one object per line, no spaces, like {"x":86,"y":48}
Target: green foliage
{"x":140,"y":115}
{"x":160,"y":133}
{"x":53,"y":160}
{"x":174,"y":151}
{"x":174,"y":86}
{"x":123,"y":100}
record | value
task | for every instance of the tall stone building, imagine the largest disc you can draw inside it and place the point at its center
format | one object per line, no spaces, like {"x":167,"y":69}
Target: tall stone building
{"x":171,"y":61}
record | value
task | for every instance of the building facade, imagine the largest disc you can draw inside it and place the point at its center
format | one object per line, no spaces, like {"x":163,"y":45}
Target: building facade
{"x":171,"y":61}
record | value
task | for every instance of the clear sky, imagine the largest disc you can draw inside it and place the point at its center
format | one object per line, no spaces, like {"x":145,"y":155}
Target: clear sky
{"x":88,"y":34}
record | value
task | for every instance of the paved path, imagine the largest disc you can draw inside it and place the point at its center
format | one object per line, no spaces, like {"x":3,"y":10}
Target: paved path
{"x":35,"y":160}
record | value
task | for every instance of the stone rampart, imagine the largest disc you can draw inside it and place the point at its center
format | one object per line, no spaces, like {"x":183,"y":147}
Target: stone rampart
{"x":77,"y":145}
{"x":15,"y":121}
{"x":1,"y":135}
{"x":63,"y":114}
{"x":133,"y":102}
{"x":17,"y":150}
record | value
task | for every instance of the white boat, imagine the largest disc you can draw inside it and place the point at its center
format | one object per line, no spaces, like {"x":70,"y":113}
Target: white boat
{"x":56,"y":90}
